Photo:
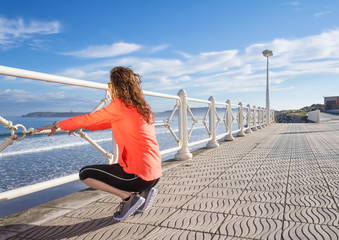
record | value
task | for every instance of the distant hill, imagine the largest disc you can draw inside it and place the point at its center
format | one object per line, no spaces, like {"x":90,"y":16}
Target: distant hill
{"x":53,"y":114}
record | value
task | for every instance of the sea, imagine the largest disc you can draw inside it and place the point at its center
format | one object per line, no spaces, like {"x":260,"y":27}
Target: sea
{"x":40,"y":158}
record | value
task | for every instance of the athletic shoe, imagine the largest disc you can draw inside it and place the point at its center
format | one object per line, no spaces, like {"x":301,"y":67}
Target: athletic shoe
{"x":149,"y":196}
{"x":127,"y":208}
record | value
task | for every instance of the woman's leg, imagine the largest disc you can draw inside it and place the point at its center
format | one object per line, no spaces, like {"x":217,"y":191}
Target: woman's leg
{"x":113,"y":179}
{"x":96,"y":184}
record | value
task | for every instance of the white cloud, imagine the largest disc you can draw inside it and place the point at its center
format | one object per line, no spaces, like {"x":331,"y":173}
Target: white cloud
{"x":15,"y":31}
{"x":230,"y":70}
{"x":8,"y":78}
{"x":292,"y":3}
{"x":17,"y":96}
{"x":159,"y":48}
{"x":320,"y":14}
{"x":104,"y":51}
{"x":74,"y":73}
{"x":23,"y":101}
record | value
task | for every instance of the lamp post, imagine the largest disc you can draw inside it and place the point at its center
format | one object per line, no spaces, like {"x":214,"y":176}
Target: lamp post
{"x":267,"y":53}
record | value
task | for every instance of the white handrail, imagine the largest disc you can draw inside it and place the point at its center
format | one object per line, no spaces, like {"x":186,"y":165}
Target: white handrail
{"x":181,"y":98}
{"x":18,"y":192}
{"x":15,"y":72}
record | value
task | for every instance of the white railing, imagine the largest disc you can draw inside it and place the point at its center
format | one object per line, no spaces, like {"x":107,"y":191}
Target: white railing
{"x":254,"y":118}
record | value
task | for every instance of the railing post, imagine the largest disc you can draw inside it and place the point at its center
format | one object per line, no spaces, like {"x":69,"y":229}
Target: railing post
{"x":229,"y":121}
{"x":241,"y":121}
{"x":255,"y":128}
{"x":248,"y":119}
{"x":262,"y":117}
{"x":213,"y":142}
{"x":271,"y":117}
{"x":259,"y":118}
{"x":183,"y":153}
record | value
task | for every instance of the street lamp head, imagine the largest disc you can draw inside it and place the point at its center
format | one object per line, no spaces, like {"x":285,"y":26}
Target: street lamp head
{"x":267,"y":53}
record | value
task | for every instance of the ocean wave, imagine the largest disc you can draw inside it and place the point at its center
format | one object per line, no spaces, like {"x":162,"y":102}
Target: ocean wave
{"x":49,"y":148}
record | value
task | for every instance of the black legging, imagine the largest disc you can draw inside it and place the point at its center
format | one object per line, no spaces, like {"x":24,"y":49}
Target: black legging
{"x":115,"y":176}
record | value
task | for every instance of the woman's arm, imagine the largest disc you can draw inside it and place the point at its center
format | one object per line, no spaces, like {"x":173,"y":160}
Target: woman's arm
{"x":98,"y":120}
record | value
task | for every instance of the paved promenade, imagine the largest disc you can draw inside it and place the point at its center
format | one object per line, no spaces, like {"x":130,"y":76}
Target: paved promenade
{"x":281,"y":182}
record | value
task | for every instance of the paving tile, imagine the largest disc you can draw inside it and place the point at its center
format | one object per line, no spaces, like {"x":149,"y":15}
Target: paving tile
{"x":322,"y":201}
{"x":120,"y":232}
{"x":220,"y":165}
{"x":206,"y":173}
{"x":258,"y":209}
{"x":169,"y":180}
{"x":295,"y":230}
{"x":238,"y":173}
{"x":229,"y":183}
{"x":161,"y":233}
{"x":195,"y":181}
{"x":223,"y":237}
{"x":270,"y":178}
{"x":266,"y":186}
{"x":333,"y":184}
{"x":154,"y":216}
{"x":209,"y":204}
{"x":200,"y":172}
{"x":237,"y":176}
{"x":213,"y":192}
{"x":308,"y":189}
{"x":194,"y":221}
{"x":272,"y":168}
{"x":94,"y":210}
{"x":109,"y":199}
{"x":8,"y":235}
{"x":261,"y":196}
{"x":277,"y":183}
{"x":66,"y":227}
{"x":275,"y":171}
{"x":306,"y":180}
{"x":179,"y":190}
{"x":250,"y":227}
{"x":174,"y":201}
{"x":328,"y":216}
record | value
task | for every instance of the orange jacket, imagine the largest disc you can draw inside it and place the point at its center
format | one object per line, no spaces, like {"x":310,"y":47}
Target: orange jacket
{"x":138,"y":148}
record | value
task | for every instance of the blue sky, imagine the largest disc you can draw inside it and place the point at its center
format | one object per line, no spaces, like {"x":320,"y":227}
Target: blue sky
{"x":208,"y":48}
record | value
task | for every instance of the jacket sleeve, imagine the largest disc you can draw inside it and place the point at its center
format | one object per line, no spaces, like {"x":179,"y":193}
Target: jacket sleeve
{"x":98,"y":120}
{"x":103,"y":126}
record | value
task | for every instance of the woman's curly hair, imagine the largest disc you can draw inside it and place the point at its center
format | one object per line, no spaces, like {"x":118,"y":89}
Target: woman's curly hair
{"x":126,"y":85}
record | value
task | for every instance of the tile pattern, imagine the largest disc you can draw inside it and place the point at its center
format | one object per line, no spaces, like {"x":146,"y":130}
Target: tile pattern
{"x":281,"y":182}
